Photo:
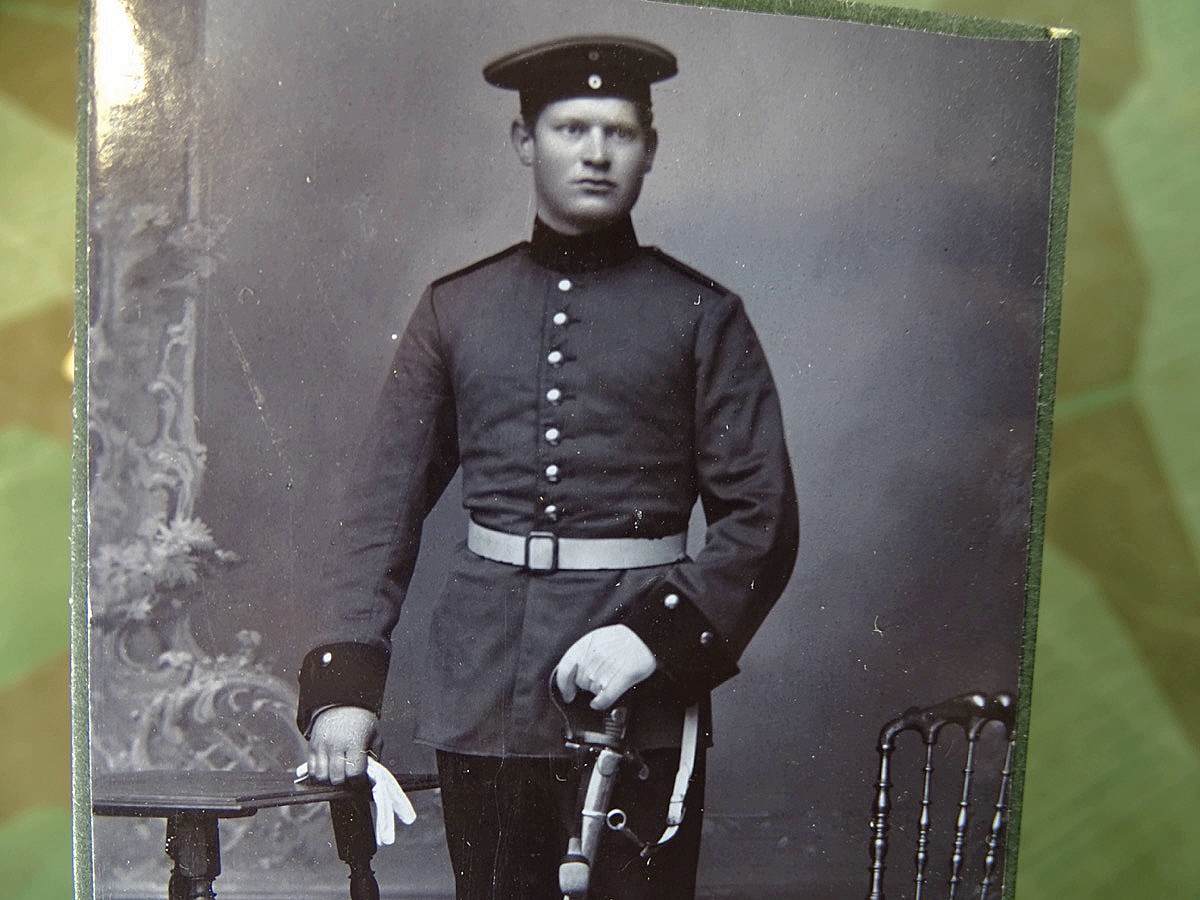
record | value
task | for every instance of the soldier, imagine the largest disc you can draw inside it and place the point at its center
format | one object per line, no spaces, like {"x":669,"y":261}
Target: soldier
{"x":590,"y":389}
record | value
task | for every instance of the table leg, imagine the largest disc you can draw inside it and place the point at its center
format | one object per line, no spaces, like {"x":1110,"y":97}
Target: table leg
{"x":354,"y":830}
{"x":194,"y":843}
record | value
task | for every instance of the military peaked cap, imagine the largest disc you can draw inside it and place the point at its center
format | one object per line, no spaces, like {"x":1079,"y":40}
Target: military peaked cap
{"x":585,"y":65}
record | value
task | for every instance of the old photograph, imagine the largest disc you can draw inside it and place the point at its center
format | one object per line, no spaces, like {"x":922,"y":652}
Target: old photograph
{"x":557,"y":449}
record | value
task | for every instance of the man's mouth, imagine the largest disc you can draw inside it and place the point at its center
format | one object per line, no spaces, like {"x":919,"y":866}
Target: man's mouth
{"x":596,"y":184}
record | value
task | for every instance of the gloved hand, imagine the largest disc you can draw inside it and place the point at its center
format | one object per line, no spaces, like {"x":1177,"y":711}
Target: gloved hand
{"x":607,"y":662}
{"x":390,"y":801}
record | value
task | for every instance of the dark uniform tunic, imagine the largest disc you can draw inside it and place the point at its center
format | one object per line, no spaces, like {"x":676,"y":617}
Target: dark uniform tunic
{"x":587,"y":387}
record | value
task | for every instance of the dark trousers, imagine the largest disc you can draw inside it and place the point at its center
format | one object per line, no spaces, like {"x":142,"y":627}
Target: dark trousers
{"x":508,"y":822}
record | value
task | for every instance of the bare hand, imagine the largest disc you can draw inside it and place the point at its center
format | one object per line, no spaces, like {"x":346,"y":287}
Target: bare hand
{"x":337,"y":749}
{"x":606,"y":662}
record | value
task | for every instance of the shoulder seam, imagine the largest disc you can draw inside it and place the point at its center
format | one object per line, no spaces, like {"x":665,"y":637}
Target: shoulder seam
{"x":479,"y":264}
{"x":687,"y":270}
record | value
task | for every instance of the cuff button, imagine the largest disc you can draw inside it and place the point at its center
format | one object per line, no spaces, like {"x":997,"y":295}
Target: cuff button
{"x":326,"y":658}
{"x":671,"y":601}
{"x":706,"y":638}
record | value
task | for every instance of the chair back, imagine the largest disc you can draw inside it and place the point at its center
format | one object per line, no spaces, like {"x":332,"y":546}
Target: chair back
{"x":971,"y":713}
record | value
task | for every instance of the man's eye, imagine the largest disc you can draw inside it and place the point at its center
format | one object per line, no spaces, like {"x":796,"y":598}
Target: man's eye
{"x":575,"y":129}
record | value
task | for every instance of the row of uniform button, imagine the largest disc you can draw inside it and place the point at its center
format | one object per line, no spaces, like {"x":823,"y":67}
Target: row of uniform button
{"x":554,"y":396}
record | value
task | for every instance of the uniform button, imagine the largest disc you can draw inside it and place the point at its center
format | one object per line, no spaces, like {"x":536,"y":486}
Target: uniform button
{"x":554,"y":357}
{"x":326,"y":658}
{"x":560,"y":318}
{"x":554,"y":395}
{"x":671,"y":601}
{"x":552,"y":435}
{"x":551,"y":512}
{"x":565,"y":284}
{"x":552,"y":472}
{"x":706,"y":638}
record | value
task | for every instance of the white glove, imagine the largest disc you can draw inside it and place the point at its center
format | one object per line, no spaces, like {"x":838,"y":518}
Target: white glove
{"x":391,"y":802}
{"x":606,"y":662}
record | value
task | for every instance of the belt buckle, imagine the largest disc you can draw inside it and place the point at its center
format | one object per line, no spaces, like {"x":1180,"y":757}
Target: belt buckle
{"x":541,"y":551}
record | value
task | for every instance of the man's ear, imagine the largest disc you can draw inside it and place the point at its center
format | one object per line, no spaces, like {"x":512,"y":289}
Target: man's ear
{"x":651,"y":149}
{"x":522,"y":141}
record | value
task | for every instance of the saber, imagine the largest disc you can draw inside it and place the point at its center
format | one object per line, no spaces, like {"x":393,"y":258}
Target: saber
{"x":605,"y":751}
{"x":608,"y":751}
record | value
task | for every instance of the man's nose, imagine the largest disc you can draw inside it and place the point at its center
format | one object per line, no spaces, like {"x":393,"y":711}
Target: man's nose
{"x":595,"y":148}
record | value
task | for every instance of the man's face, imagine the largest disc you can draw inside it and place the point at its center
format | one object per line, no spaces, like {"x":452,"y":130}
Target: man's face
{"x":589,"y":156}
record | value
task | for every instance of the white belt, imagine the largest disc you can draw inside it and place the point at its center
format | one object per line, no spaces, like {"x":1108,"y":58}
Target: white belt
{"x":544,"y":551}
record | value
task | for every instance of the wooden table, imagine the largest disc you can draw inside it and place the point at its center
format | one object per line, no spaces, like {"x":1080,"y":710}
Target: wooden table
{"x":194,"y":802}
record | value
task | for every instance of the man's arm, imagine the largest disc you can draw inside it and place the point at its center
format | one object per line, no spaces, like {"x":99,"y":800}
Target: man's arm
{"x":699,"y":618}
{"x":409,"y":456}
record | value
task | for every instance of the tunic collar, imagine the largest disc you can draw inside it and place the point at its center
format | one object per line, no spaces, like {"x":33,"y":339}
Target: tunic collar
{"x":609,"y":246}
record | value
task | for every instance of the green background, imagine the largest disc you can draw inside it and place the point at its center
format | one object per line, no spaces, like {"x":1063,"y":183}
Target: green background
{"x":1113,"y":783}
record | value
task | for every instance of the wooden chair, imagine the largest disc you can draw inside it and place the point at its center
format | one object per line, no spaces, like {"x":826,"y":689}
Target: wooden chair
{"x":971,"y":713}
{"x":194,"y":802}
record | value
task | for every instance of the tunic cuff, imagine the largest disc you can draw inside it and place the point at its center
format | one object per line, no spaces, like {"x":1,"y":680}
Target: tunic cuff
{"x":346,"y":674}
{"x":687,"y":646}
